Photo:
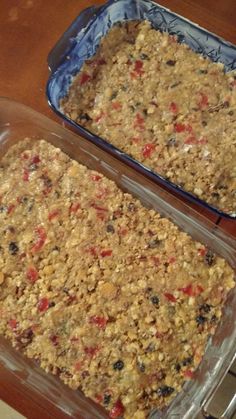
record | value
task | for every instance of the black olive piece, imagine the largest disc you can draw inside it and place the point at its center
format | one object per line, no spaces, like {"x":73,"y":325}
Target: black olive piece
{"x":155,"y":300}
{"x":106,"y":399}
{"x":149,"y":289}
{"x":52,"y":304}
{"x":209,"y":257}
{"x":66,"y":290}
{"x":150,"y":348}
{"x":144,"y":56}
{"x":231,"y":113}
{"x":202,"y":71}
{"x":187,"y":361}
{"x":118,"y":365}
{"x":141,"y":367}
{"x":110,"y":228}
{"x":114,"y":95}
{"x":204,"y":123}
{"x":33,"y":167}
{"x":25,"y":338}
{"x":85,"y":117}
{"x":178,"y":367}
{"x":3,"y":208}
{"x":201,"y":320}
{"x":24,"y":200}
{"x":153,"y":244}
{"x":13,"y":248}
{"x":214,"y":319}
{"x":57,"y":248}
{"x":175,"y":84}
{"x":165,"y":391}
{"x":206,"y":308}
{"x":171,"y":142}
{"x":171,"y":63}
{"x":131,"y":207}
{"x":145,"y":112}
{"x":215,"y":195}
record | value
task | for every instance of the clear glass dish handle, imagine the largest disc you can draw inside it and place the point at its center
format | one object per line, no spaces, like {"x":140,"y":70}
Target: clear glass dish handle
{"x":228,"y":412}
{"x":65,"y":43}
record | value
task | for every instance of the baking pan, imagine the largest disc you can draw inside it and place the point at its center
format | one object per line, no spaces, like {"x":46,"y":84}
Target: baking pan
{"x":18,"y":122}
{"x":81,"y":41}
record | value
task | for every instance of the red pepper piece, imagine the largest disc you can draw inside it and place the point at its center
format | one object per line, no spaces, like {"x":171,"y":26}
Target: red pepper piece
{"x":173,"y":107}
{"x":99,"y":321}
{"x":172,"y":259}
{"x":202,"y":140}
{"x":96,"y":178}
{"x":188,"y":374}
{"x":117,"y":410}
{"x":202,"y":251}
{"x":116,"y":105}
{"x":102,"y":193}
{"x":53,"y":214}
{"x":25,"y":176}
{"x":188,"y":290}
{"x":74,"y":207}
{"x":11,"y":208}
{"x":156,"y":260}
{"x":91,"y":350}
{"x":135,"y":140}
{"x":74,"y":339}
{"x":99,"y":117}
{"x":98,"y":61}
{"x":78,"y":366}
{"x":139,"y":122}
{"x":99,"y":208}
{"x":138,"y":68}
{"x":55,"y":340}
{"x":84,"y":78}
{"x":35,"y":160}
{"x":43,"y":304}
{"x":203,"y":102}
{"x":199,"y":289}
{"x":93,"y":250}
{"x":24,"y":156}
{"x":179,"y":127}
{"x":105,"y":253}
{"x":192,"y":291}
{"x":99,"y":398}
{"x":40,"y":240}
{"x":170,"y":297}
{"x":122,"y":231}
{"x":32,"y":274}
{"x":191,"y":140}
{"x":148,"y":150}
{"x":13,"y":323}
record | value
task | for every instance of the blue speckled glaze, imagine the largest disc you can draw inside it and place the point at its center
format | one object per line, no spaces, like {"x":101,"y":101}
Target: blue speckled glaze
{"x":82,"y":39}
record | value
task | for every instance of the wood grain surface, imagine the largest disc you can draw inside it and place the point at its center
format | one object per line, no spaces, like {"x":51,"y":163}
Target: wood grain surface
{"x":28,"y":31}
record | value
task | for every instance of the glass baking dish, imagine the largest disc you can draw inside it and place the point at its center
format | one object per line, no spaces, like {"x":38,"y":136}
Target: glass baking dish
{"x":81,"y":40}
{"x":17,"y":122}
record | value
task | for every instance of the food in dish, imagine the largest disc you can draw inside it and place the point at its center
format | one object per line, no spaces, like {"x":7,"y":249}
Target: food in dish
{"x":163,"y":104}
{"x":101,"y":291}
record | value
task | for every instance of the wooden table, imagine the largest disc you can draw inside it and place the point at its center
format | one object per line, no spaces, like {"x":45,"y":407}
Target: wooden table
{"x":28,"y":30}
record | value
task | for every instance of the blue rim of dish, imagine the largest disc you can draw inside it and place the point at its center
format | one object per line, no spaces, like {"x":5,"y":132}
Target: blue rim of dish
{"x":114,"y":151}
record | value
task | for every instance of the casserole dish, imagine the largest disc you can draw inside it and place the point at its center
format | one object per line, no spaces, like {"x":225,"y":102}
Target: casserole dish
{"x":81,"y":41}
{"x":18,"y":122}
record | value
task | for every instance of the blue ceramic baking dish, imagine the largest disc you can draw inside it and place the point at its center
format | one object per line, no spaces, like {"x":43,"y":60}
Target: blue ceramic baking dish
{"x":81,"y":41}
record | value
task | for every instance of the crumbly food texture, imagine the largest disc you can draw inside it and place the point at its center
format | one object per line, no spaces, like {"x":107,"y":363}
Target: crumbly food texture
{"x":101,"y":291}
{"x":165,"y":105}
